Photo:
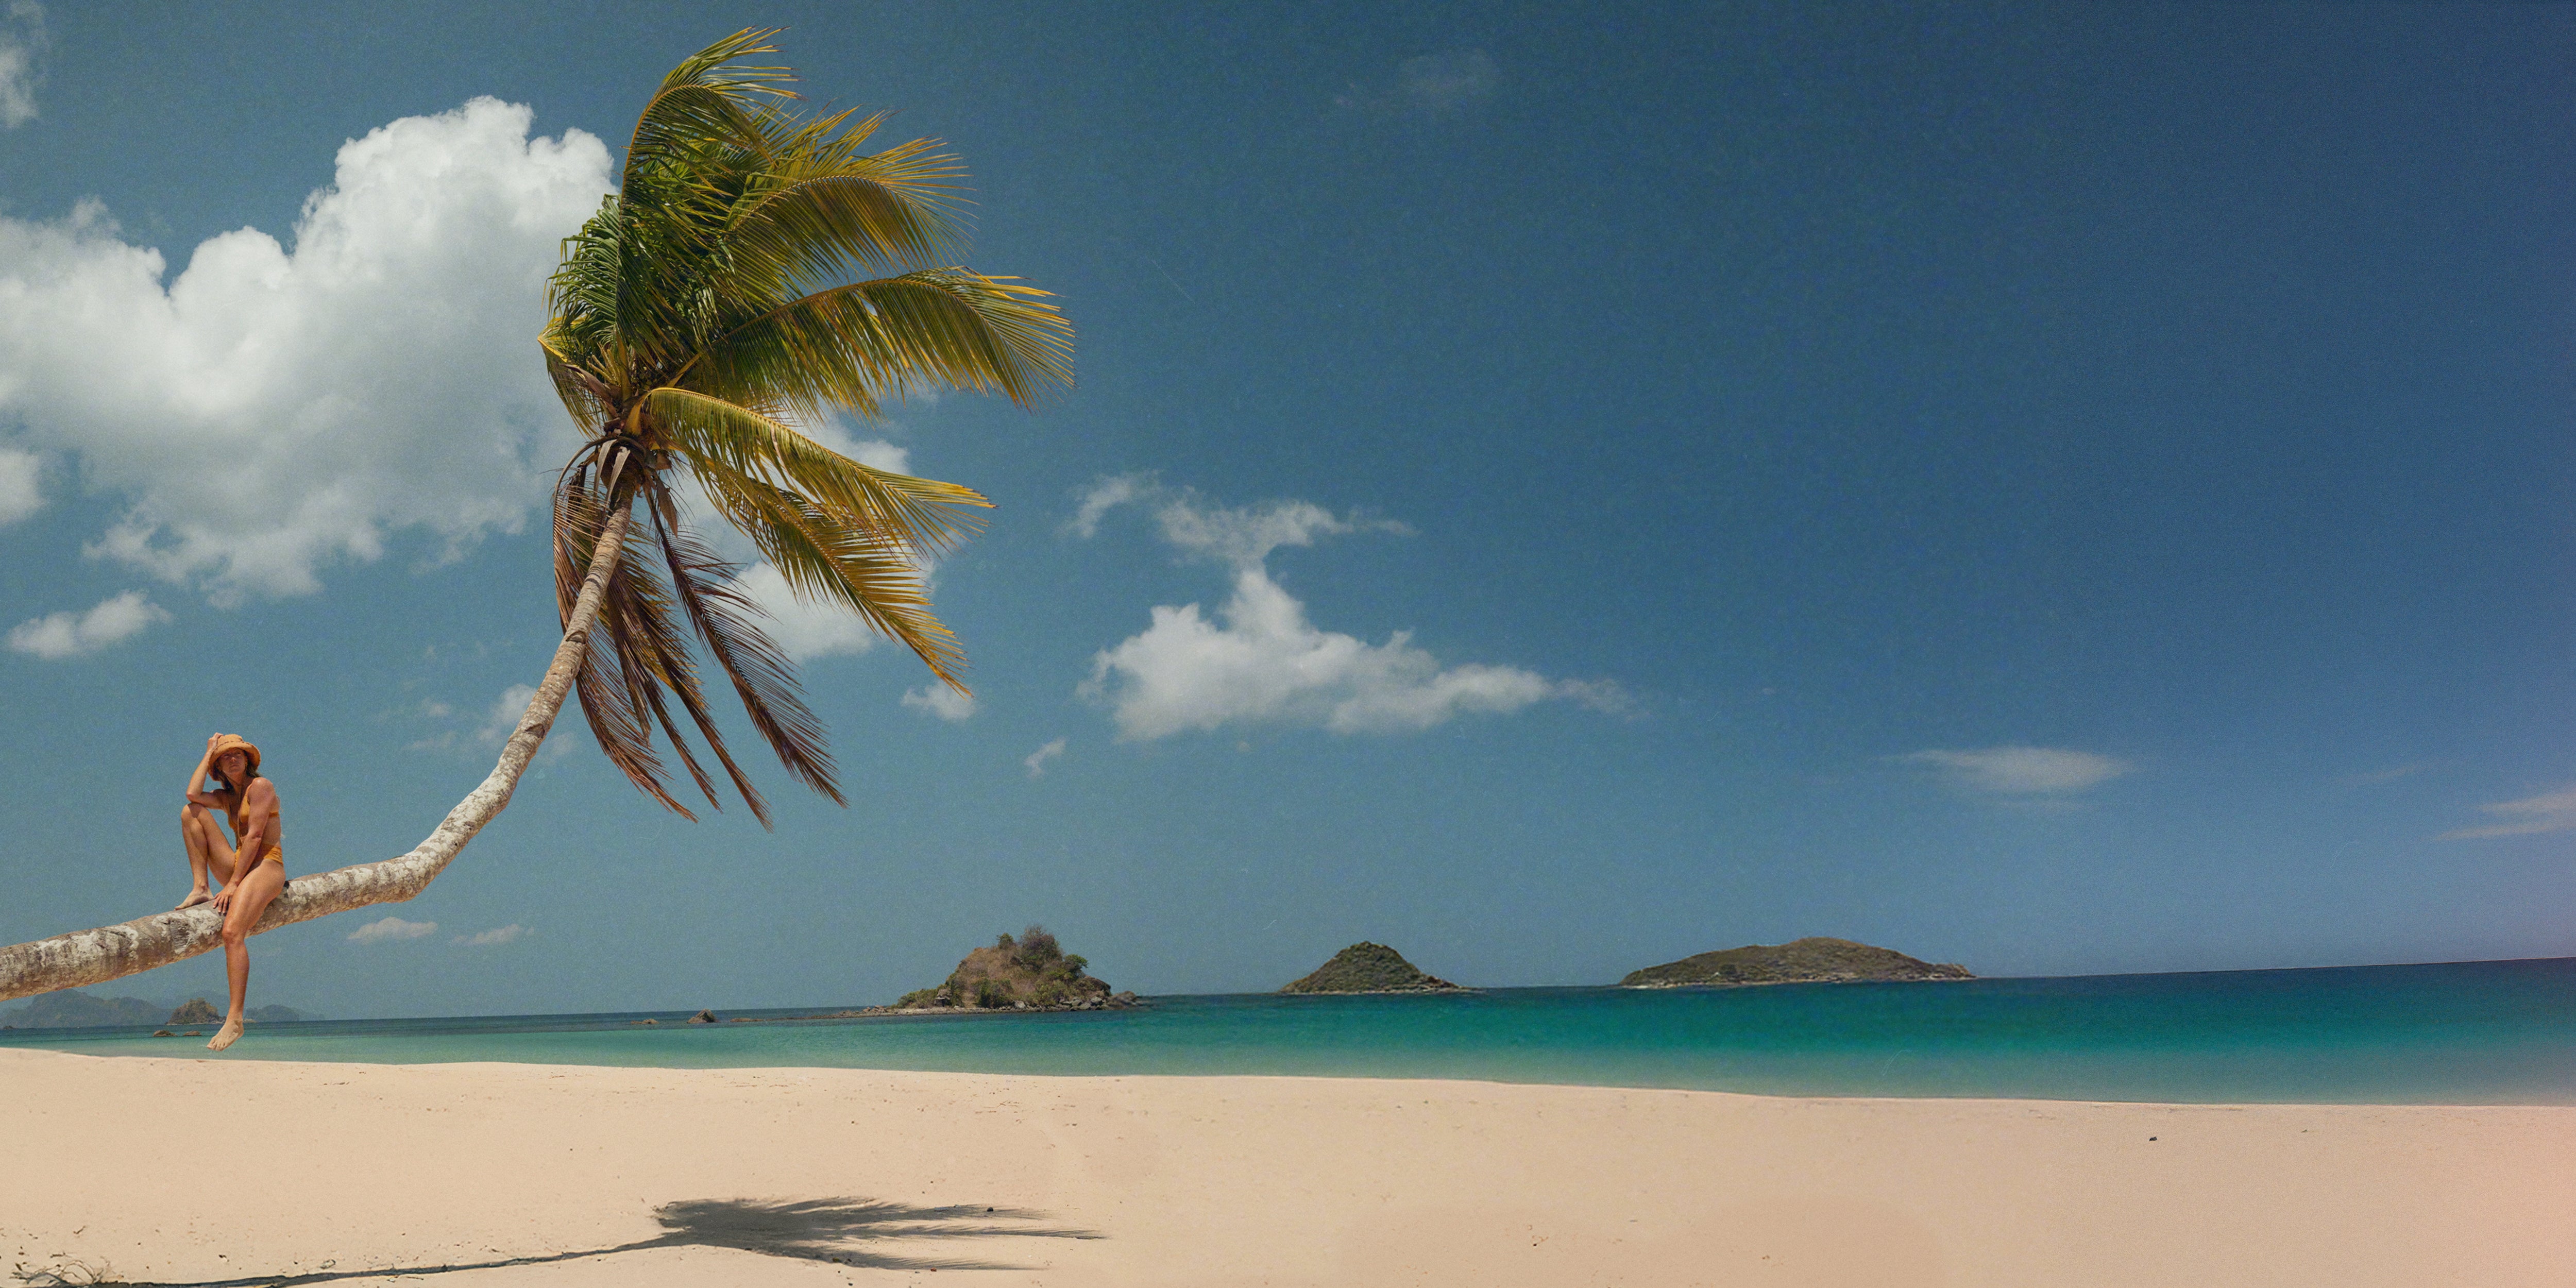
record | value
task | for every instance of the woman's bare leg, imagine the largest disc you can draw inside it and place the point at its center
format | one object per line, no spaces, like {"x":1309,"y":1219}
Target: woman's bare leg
{"x":207,"y":852}
{"x":250,"y":898}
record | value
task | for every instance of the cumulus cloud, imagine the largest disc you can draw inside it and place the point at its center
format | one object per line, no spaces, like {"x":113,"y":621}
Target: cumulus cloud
{"x":19,"y":496}
{"x":488,"y":938}
{"x":271,"y":411}
{"x":67,"y":634}
{"x":22,"y":45}
{"x":1037,"y":761}
{"x":2547,"y":812}
{"x":806,"y":630}
{"x":1261,"y":661}
{"x":941,"y":701}
{"x":390,"y":929}
{"x":2021,"y":771}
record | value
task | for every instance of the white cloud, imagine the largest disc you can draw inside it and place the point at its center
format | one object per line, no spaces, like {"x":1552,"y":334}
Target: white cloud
{"x":22,"y":42}
{"x":391,"y":928}
{"x":941,"y":701}
{"x":490,"y":726}
{"x":875,"y":453}
{"x":269,"y":412}
{"x":2547,"y":812}
{"x":1267,"y":663}
{"x":1037,"y":761}
{"x":1242,"y":536}
{"x":2021,"y":771}
{"x":1108,"y":494}
{"x":1245,"y":536}
{"x":804,"y":629}
{"x":19,"y":495}
{"x":501,"y":935}
{"x":67,"y":634}
{"x":503,"y":719}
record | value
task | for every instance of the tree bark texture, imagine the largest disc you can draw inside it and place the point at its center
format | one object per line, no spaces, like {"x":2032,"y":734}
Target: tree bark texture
{"x":112,"y":952}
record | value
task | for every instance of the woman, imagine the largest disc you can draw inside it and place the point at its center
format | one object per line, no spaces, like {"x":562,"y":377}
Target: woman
{"x":252,"y":868}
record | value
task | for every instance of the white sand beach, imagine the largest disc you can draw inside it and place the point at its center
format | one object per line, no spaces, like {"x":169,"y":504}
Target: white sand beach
{"x":243,"y":1172}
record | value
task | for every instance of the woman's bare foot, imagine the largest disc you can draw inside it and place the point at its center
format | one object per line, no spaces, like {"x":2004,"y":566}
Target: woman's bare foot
{"x":195,"y":897}
{"x":225,"y":1036}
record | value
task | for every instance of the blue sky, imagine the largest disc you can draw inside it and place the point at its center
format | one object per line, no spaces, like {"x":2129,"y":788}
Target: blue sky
{"x":2059,"y":489}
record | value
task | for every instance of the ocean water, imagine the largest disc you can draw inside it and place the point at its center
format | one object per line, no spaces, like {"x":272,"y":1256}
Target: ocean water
{"x":2468,"y":1033}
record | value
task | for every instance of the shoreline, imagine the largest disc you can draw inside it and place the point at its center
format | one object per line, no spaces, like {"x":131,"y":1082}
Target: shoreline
{"x":551,"y":1174}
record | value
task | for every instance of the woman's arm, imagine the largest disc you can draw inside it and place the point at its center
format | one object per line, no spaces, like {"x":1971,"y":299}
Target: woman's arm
{"x":196,"y":792}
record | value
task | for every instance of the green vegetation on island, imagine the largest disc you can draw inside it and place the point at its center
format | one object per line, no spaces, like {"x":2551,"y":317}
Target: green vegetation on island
{"x":1371,"y":968}
{"x":1804,"y":961}
{"x":1029,"y":973}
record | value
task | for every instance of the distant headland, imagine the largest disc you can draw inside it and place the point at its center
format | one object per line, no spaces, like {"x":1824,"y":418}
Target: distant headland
{"x":1803,"y":961}
{"x":1371,"y":968}
{"x":72,"y":1009}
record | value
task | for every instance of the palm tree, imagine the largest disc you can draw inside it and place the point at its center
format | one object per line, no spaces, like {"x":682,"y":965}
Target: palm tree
{"x":696,"y":322}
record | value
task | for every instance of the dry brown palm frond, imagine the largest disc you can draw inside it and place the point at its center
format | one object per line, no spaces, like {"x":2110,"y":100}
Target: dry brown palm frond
{"x":763,"y":677}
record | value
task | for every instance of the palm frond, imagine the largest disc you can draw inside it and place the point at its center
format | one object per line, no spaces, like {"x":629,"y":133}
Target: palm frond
{"x":718,"y":437}
{"x":618,"y":723}
{"x":816,"y":217}
{"x":825,"y":559}
{"x":642,"y":644}
{"x":857,"y":345}
{"x":588,"y":398}
{"x":706,"y":98}
{"x":762,"y":675}
{"x":701,"y":315}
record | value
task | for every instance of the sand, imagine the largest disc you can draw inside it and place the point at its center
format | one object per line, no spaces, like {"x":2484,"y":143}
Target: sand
{"x":243,"y":1173}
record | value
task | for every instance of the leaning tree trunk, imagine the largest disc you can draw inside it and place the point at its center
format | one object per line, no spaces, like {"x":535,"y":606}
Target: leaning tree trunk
{"x":111,"y":952}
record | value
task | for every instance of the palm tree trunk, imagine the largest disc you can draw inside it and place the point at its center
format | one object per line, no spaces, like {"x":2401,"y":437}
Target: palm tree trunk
{"x":112,"y":952}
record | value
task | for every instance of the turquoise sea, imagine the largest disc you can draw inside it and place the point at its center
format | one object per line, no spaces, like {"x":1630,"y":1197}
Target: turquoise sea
{"x":2467,"y":1033}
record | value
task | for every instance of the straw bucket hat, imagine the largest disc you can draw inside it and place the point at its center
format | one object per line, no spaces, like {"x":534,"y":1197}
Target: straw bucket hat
{"x":225,"y":742}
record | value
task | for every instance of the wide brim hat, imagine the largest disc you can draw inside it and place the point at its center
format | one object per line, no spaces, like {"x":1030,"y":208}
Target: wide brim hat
{"x":233,"y":742}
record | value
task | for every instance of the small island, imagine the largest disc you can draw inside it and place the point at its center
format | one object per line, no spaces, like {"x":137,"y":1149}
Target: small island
{"x":1371,"y":968}
{"x":1029,"y":973}
{"x":1805,"y":961}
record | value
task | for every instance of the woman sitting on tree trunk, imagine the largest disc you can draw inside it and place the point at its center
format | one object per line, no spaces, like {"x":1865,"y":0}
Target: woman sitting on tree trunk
{"x":249,"y":804}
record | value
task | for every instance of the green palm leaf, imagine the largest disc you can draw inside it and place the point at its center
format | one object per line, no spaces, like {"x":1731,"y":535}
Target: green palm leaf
{"x":697,"y":319}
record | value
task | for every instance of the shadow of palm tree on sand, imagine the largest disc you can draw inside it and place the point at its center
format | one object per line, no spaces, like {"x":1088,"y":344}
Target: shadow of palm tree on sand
{"x":836,"y":1230}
